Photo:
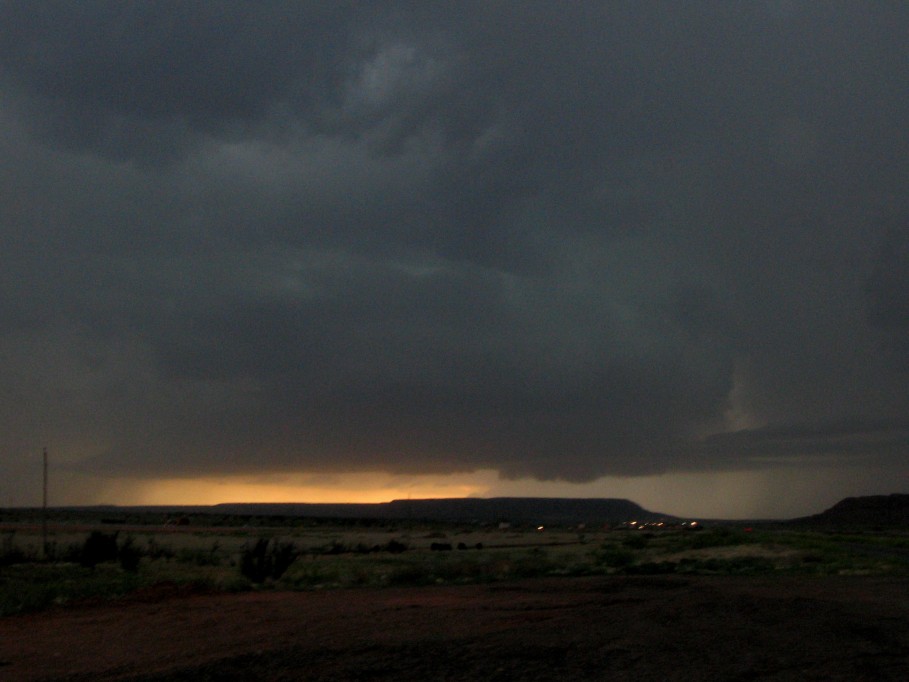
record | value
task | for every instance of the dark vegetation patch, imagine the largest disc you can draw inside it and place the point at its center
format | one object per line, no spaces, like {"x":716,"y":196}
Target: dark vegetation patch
{"x":267,"y":559}
{"x":111,"y":560}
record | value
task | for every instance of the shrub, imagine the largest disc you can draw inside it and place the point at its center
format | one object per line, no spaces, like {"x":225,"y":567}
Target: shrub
{"x":199,"y":556}
{"x":282,"y":556}
{"x":336,"y":548}
{"x":718,"y":537}
{"x":614,"y":557}
{"x":408,"y":574}
{"x":535,"y":562}
{"x":129,"y":555}
{"x":267,"y":560}
{"x":98,"y":548}
{"x":636,"y":541}
{"x":11,"y":554}
{"x":652,"y":568}
{"x":748,"y":565}
{"x":37,"y":586}
{"x":71,"y":553}
{"x":253,"y":561}
{"x":395,"y":547}
{"x":158,"y":551}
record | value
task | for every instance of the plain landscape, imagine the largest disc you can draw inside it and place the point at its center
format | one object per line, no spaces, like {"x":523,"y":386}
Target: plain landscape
{"x":453,"y":589}
{"x":459,"y":264}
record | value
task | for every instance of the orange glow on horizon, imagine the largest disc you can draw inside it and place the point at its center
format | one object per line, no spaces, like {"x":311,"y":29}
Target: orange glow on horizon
{"x":340,"y":488}
{"x":735,"y":494}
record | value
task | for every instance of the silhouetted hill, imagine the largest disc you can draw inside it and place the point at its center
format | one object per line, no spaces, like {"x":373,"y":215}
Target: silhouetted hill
{"x":485,"y":510}
{"x":523,"y":509}
{"x":872,"y":510}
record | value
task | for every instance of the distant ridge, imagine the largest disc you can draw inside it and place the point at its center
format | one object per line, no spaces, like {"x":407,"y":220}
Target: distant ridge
{"x":524,"y":509}
{"x":487,"y":510}
{"x":871,"y":510}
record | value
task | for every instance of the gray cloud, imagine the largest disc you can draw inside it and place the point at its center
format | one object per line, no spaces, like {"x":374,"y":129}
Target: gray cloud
{"x":556,"y":241}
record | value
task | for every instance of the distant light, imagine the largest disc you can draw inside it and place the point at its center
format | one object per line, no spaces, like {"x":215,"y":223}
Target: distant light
{"x":539,"y":527}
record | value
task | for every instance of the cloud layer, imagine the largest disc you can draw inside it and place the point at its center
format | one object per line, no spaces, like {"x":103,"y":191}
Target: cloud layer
{"x":557,"y":241}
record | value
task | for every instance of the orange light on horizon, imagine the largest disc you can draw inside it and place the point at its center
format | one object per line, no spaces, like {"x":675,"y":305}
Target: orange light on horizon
{"x":737,"y":494}
{"x":339,"y":488}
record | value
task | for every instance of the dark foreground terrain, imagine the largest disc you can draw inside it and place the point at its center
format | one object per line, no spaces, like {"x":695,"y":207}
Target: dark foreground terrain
{"x":615,"y":628}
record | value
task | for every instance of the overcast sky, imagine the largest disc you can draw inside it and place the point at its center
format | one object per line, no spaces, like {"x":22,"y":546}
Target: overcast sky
{"x":559,"y":247}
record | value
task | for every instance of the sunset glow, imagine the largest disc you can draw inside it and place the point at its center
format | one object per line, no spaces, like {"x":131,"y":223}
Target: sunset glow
{"x":343,"y":488}
{"x":742,"y":494}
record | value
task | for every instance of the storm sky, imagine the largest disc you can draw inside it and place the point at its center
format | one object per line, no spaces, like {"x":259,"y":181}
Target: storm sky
{"x":656,"y":250}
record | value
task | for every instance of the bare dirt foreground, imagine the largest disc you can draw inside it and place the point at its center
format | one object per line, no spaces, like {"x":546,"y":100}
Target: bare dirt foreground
{"x":616,"y":628}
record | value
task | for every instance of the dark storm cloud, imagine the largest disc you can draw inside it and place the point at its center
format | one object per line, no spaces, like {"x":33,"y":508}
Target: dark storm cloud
{"x":133,"y":79}
{"x":554,"y":240}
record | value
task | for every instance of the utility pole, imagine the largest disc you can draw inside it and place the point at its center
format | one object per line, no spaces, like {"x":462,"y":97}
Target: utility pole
{"x":44,"y":508}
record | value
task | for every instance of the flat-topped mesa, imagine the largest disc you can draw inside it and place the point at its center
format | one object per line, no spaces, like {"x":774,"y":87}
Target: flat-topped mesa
{"x":537,"y":510}
{"x":871,"y":510}
{"x":524,"y":509}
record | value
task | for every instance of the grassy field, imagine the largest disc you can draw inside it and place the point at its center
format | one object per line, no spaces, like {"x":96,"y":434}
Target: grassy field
{"x":91,"y":557}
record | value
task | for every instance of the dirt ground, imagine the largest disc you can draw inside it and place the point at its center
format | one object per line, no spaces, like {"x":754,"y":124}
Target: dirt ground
{"x":607,"y":628}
